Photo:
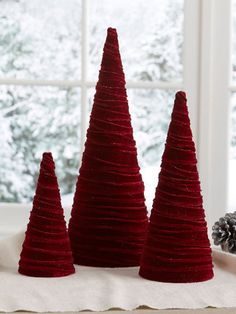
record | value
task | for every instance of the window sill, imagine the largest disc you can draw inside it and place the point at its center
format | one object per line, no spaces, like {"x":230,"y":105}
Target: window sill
{"x":14,"y":217}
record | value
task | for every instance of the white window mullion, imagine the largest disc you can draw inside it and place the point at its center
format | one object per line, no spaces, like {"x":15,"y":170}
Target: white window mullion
{"x":232,"y":88}
{"x":191,"y":61}
{"x":146,"y":85}
{"x":84,"y":68}
{"x":39,"y":82}
{"x":214,"y":105}
{"x":154,"y":85}
{"x":205,"y":103}
{"x":88,"y":84}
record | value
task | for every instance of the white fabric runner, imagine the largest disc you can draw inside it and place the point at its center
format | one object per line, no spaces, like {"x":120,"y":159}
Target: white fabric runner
{"x":102,"y":289}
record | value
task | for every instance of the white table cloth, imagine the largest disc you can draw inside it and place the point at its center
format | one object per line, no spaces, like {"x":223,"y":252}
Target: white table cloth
{"x":101,"y":289}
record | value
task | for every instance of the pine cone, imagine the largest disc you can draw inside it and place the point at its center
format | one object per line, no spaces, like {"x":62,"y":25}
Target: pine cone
{"x":224,"y":233}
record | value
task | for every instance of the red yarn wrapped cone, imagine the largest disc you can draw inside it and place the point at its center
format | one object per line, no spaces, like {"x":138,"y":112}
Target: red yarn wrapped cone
{"x":177,"y":248}
{"x":109,"y":218}
{"x":46,"y":250}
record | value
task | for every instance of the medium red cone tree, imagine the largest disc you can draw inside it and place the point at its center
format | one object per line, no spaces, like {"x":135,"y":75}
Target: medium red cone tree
{"x":46,"y":250}
{"x":177,"y":248}
{"x":109,"y":218}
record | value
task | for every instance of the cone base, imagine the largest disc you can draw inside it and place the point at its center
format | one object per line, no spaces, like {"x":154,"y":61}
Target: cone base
{"x":174,"y":277}
{"x":45,"y":274}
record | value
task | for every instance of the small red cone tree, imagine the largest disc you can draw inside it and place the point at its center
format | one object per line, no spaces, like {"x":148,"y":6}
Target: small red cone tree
{"x":46,"y":250}
{"x":109,"y":217}
{"x":177,"y":248}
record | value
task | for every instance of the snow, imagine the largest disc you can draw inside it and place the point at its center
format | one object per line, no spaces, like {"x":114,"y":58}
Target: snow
{"x":150,"y":179}
{"x":150,"y":43}
{"x":44,"y":42}
{"x":35,"y":43}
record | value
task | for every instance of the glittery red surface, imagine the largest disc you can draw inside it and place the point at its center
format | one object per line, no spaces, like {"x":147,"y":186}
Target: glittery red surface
{"x":177,"y":248}
{"x":46,"y":250}
{"x":109,"y":217}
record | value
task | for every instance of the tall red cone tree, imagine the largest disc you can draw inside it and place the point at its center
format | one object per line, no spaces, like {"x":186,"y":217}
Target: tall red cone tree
{"x":109,"y":218}
{"x":177,"y":248}
{"x":46,"y":250}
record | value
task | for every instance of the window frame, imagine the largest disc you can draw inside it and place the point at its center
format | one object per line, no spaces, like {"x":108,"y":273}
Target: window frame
{"x":192,"y":51}
{"x":215,"y":88}
{"x":84,"y":83}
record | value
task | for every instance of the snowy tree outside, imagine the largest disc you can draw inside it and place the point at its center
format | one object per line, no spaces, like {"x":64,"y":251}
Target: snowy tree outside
{"x":43,"y":42}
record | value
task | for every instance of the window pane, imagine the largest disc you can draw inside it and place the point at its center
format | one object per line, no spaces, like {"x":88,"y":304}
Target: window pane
{"x":34,"y":120}
{"x":40,"y":39}
{"x":150,"y":111}
{"x":150,"y":36}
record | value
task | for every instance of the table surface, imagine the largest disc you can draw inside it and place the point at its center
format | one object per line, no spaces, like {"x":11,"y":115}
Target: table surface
{"x":226,"y":291}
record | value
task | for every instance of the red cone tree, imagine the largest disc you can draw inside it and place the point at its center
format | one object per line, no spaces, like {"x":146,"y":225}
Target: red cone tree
{"x":109,"y":217}
{"x":177,"y":248}
{"x":46,"y":249}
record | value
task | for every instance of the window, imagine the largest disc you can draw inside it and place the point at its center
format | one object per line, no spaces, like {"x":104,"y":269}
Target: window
{"x":217,"y":120}
{"x":40,"y":93}
{"x":50,"y":58}
{"x":214,"y":103}
{"x":49,"y":64}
